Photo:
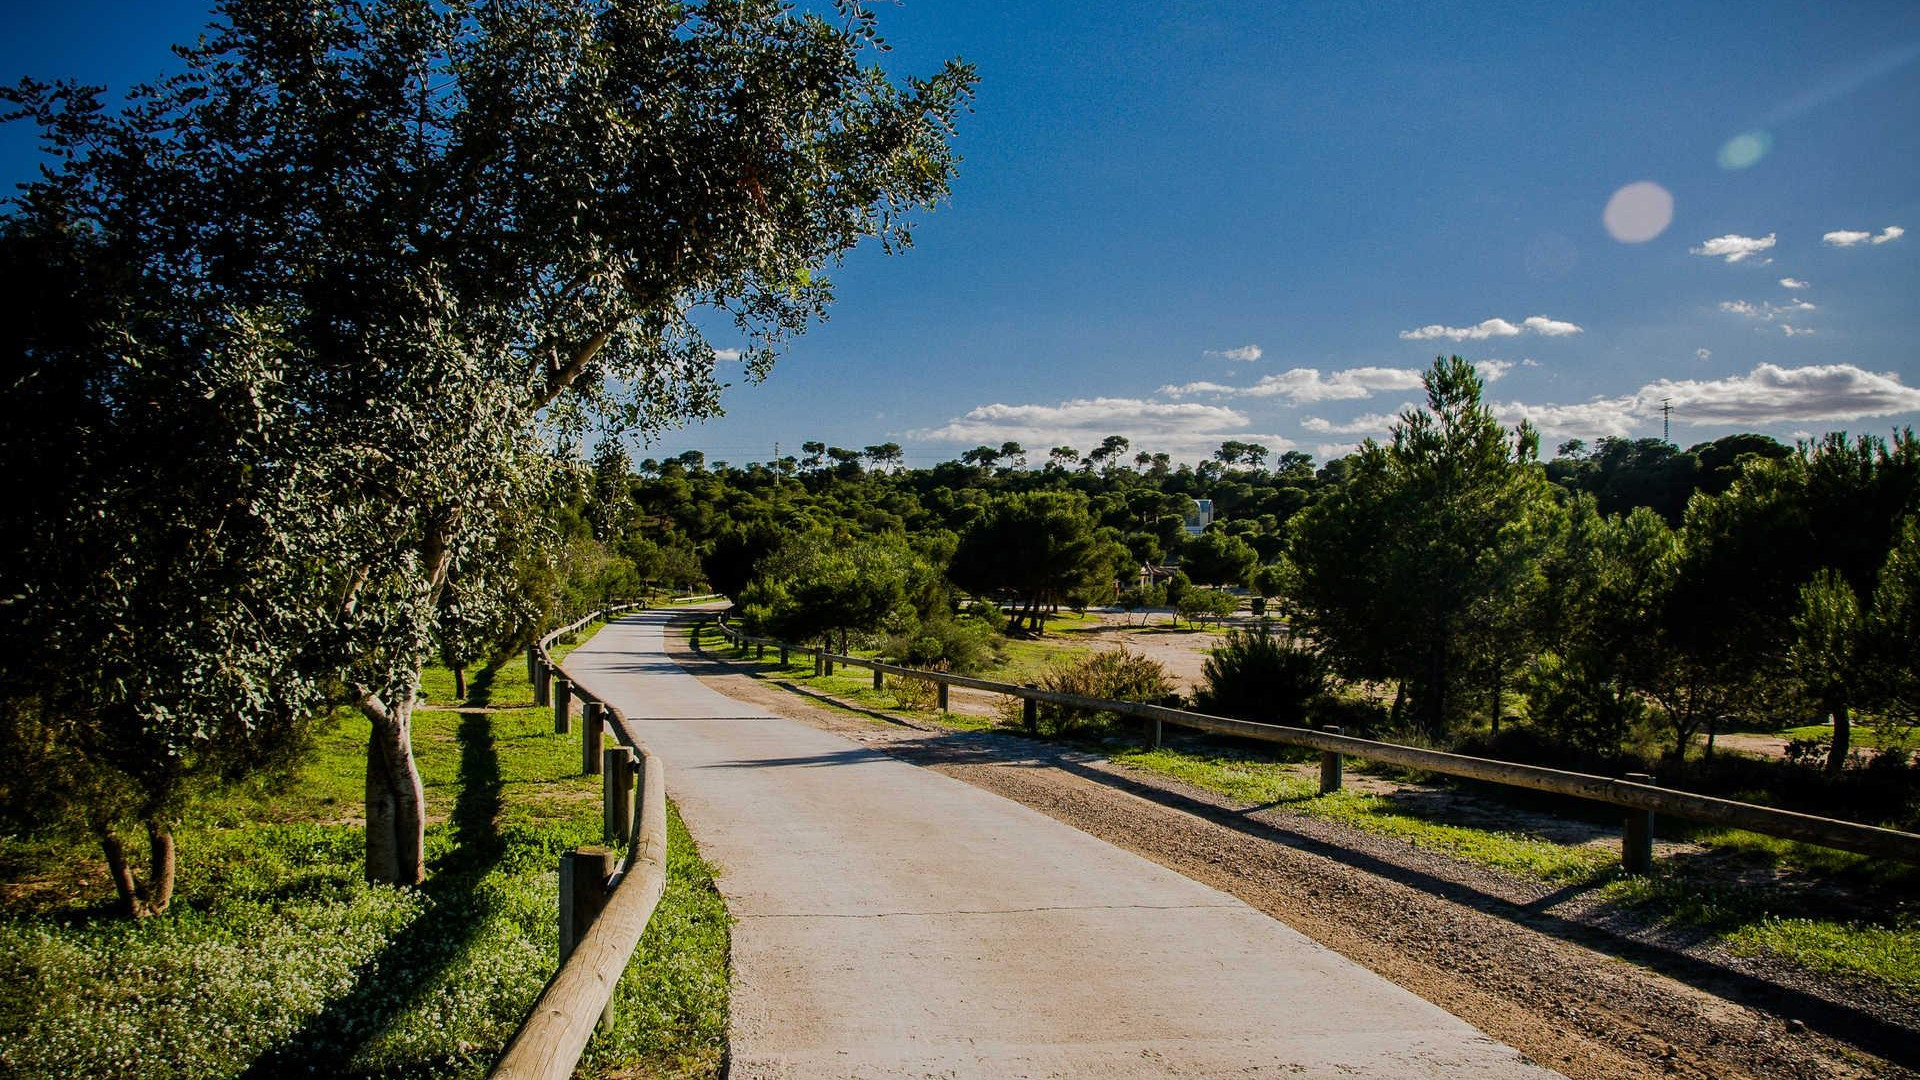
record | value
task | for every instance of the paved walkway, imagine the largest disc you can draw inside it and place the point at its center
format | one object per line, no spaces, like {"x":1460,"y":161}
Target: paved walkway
{"x":894,"y":922}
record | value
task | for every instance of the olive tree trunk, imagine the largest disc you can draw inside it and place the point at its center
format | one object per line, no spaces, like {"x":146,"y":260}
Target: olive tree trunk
{"x":396,"y":800}
{"x":141,"y":899}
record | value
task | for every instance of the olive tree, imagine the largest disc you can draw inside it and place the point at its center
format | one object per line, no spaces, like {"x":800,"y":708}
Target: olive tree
{"x":159,"y":627}
{"x":458,"y":225}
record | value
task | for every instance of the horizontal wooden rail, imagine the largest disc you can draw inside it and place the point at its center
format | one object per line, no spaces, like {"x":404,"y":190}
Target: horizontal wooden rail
{"x":1807,"y":828}
{"x":555,"y":1033}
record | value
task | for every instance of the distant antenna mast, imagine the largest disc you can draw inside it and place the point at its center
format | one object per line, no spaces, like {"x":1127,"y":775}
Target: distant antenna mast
{"x":1666,"y":420}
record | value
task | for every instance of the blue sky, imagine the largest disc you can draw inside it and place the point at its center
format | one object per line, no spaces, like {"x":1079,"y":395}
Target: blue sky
{"x":1189,"y":222}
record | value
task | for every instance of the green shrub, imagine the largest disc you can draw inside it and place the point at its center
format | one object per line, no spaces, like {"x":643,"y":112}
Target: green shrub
{"x":1576,"y":707}
{"x":1116,"y":675}
{"x":913,"y":694}
{"x":962,"y":643}
{"x":1259,"y":676}
{"x":1199,"y":605}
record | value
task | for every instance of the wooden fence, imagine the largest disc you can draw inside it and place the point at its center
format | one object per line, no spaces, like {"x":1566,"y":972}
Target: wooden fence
{"x":606,"y":898}
{"x":1636,"y":793}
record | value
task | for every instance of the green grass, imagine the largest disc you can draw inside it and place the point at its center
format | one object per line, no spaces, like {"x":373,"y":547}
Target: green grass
{"x":1889,"y":956}
{"x":1863,"y":737}
{"x":1257,"y":781}
{"x":277,"y":957}
{"x":1767,"y":922}
{"x":1750,"y":920}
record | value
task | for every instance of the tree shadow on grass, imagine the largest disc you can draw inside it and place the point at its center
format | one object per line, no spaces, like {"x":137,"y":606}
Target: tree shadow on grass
{"x":387,"y":984}
{"x":480,"y":687}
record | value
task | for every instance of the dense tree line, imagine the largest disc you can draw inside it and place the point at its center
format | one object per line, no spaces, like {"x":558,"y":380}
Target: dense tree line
{"x":1628,"y":587}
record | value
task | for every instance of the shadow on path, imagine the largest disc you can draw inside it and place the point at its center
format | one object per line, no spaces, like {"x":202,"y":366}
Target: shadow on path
{"x":390,"y":981}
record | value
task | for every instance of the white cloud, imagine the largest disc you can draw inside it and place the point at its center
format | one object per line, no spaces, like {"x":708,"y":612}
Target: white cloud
{"x":1703,"y":354}
{"x":1201,"y":387}
{"x":1733,"y":247}
{"x":1173,"y":427}
{"x":1367,"y":424}
{"x":1244,"y":352}
{"x":1303,"y":385}
{"x":1492,"y":328}
{"x":1768,"y":394}
{"x":1601,"y":416}
{"x":1795,"y":331}
{"x":1528,"y":361}
{"x":1327,"y":451}
{"x":1766,"y":309}
{"x":1492,"y":370}
{"x":1772,"y":394}
{"x":1477,"y":332}
{"x":726,"y":354}
{"x":1792,"y":283}
{"x":1851,"y":237}
{"x":1546,"y":327}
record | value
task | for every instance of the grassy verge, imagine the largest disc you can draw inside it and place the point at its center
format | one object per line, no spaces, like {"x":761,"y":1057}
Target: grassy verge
{"x":277,"y":959}
{"x":1786,"y":920}
{"x":1259,"y":781}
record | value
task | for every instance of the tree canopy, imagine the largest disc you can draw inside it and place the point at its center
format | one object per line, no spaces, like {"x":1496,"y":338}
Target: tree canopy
{"x":432,"y":231}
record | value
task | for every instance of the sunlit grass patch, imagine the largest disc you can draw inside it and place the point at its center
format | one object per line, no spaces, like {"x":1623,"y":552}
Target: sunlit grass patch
{"x":1236,"y":776}
{"x":1890,"y":955}
{"x":278,"y":958}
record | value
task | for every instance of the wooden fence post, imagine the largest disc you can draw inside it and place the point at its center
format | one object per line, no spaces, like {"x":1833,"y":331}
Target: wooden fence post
{"x":583,"y":893}
{"x":562,"y":706}
{"x":818,"y":668}
{"x":759,"y":650}
{"x":616,"y":795}
{"x":533,"y":660}
{"x":590,"y":729}
{"x":942,"y":690}
{"x":783,"y":654}
{"x":1030,"y":712}
{"x":1330,"y":765}
{"x":1636,"y":851}
{"x":1159,"y":732}
{"x":827,"y":658}
{"x":879,"y":680}
{"x":542,"y":684}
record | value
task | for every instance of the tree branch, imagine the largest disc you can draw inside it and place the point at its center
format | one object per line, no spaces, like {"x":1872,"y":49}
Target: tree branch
{"x":560,"y":378}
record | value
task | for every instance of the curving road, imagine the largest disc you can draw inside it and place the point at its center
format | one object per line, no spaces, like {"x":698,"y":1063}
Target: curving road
{"x":894,"y":922}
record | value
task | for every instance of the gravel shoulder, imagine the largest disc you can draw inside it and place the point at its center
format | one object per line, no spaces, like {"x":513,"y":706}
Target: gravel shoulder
{"x":1581,"y":989}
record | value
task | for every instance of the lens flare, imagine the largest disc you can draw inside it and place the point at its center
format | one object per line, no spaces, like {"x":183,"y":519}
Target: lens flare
{"x":1638,"y":212}
{"x":1745,"y":149}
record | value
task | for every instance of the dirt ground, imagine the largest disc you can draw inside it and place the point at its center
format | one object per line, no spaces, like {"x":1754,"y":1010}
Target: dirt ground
{"x":1182,"y":652}
{"x":1544,"y":969}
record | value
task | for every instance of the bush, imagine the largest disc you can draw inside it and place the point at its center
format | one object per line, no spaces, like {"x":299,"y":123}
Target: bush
{"x":964,"y":644}
{"x":912,"y":694}
{"x":1576,"y":708}
{"x":1116,"y":675}
{"x":1199,"y":605}
{"x":1258,"y":676}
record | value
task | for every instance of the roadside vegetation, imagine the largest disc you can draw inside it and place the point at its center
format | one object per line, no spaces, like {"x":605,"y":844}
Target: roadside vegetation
{"x":278,"y":957}
{"x":1831,"y":913}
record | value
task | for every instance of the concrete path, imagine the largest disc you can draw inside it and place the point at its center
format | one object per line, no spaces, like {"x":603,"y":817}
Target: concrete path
{"x":894,"y":922}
